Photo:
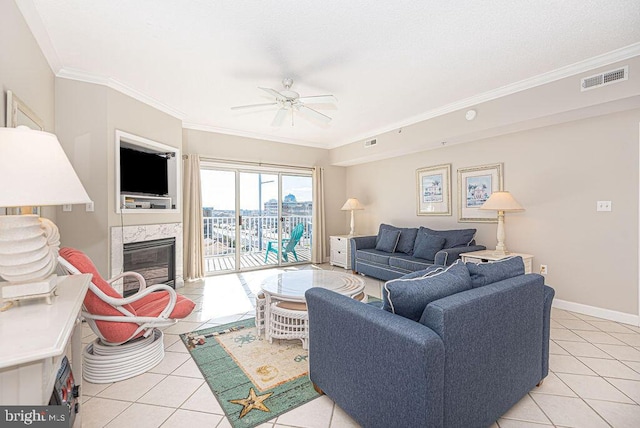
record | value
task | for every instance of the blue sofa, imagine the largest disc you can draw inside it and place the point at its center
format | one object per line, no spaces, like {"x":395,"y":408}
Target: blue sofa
{"x":468,"y":359}
{"x":415,"y":249}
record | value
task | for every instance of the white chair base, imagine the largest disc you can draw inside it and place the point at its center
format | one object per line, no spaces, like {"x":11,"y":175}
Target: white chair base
{"x":106,"y":364}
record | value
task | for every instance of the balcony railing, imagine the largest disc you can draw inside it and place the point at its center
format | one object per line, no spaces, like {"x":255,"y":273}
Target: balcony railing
{"x":255,"y":233}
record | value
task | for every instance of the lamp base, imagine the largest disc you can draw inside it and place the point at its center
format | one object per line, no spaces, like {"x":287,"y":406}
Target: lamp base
{"x":44,"y":288}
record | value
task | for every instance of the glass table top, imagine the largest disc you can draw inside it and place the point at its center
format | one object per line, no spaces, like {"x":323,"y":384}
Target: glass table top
{"x":292,"y":285}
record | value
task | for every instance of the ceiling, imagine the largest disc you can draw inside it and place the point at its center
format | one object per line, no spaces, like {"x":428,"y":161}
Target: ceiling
{"x":389,"y":64}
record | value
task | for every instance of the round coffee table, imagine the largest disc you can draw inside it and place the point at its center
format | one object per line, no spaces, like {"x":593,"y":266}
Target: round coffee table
{"x":285,"y":312}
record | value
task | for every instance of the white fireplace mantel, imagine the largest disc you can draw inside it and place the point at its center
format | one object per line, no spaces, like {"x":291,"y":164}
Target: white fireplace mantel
{"x":121,"y":235}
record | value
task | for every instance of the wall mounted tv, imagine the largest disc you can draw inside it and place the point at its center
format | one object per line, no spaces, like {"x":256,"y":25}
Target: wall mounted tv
{"x":143,"y":173}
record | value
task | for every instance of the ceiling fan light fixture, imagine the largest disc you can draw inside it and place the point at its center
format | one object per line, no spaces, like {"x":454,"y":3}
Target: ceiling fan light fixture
{"x":288,"y":100}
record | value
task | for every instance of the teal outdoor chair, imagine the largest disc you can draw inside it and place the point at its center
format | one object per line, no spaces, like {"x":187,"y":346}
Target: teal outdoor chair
{"x":289,"y":244}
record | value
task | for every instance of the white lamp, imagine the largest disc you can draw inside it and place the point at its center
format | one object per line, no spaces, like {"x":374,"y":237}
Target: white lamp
{"x":351,"y":205}
{"x":501,"y":202}
{"x":35,"y":171}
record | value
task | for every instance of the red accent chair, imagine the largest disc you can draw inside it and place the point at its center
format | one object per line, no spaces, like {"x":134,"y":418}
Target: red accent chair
{"x":129,"y":329}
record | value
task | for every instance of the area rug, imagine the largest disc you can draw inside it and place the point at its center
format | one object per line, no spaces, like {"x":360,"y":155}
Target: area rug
{"x":253,"y":380}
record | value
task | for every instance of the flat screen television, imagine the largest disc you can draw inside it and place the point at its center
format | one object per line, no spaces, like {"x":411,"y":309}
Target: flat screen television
{"x":143,"y":173}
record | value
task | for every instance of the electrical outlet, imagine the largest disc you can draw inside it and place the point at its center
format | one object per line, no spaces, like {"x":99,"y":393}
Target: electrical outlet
{"x":543,"y":269}
{"x":603,"y":206}
{"x":66,"y":208}
{"x":90,"y":208}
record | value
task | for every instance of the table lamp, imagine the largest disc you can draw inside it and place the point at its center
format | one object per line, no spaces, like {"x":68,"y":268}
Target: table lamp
{"x":35,"y":171}
{"x":352,"y":204}
{"x":501,"y":201}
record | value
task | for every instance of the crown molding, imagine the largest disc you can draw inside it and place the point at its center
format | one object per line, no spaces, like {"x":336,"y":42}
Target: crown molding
{"x":254,"y":135}
{"x":72,"y":74}
{"x":539,"y":80}
{"x":35,"y":24}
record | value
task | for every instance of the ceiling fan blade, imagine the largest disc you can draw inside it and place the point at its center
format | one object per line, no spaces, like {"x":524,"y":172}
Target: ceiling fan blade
{"x":273,"y":93}
{"x":253,"y":105}
{"x":313,"y":113}
{"x":319,"y":99}
{"x":279,"y":118}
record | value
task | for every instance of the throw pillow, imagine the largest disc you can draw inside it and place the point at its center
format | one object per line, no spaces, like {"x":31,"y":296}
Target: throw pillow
{"x":382,"y":227}
{"x":388,"y":240}
{"x":409,"y":297}
{"x":407,"y":239}
{"x":454,"y":237}
{"x":427,"y":246}
{"x":490,"y":272}
{"x":424,"y":272}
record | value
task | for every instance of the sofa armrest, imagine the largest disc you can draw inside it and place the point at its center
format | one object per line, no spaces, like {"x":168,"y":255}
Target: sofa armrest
{"x":361,"y":243}
{"x":382,"y":369}
{"x":448,"y":256}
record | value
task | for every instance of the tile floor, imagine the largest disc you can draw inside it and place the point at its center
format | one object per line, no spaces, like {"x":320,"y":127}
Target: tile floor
{"x":594,"y":379}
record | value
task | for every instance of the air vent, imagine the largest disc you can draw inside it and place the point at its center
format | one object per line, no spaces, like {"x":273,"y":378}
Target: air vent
{"x":606,"y":78}
{"x":370,"y":143}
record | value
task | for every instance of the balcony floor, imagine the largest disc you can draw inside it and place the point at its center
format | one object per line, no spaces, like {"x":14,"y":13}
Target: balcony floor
{"x":253,"y":260}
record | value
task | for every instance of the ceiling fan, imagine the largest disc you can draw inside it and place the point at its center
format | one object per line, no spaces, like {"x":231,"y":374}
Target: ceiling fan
{"x":290,"y":101}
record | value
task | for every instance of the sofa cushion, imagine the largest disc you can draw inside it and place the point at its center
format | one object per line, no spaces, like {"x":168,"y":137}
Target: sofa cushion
{"x":407,"y":262}
{"x":454,"y":237}
{"x":490,"y":272}
{"x":428,"y":245}
{"x":375,"y":256}
{"x":388,"y":240}
{"x":407,"y":237}
{"x":409,"y":297}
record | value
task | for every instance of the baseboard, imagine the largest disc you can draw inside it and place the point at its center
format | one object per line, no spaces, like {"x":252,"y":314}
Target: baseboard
{"x":597,"y":312}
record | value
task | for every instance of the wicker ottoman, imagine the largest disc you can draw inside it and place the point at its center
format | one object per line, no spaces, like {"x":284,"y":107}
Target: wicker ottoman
{"x":289,"y":320}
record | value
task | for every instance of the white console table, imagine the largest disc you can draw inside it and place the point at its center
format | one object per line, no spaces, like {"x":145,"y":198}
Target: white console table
{"x":35,"y":337}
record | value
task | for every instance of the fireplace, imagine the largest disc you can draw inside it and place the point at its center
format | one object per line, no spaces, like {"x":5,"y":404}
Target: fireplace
{"x":153,"y":259}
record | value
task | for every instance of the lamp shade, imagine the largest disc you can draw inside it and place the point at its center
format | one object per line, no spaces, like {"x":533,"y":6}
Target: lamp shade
{"x":501,"y":201}
{"x":35,"y":170}
{"x":352,"y":204}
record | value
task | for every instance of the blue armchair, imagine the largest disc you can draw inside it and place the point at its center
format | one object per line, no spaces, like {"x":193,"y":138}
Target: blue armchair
{"x":472,"y":356}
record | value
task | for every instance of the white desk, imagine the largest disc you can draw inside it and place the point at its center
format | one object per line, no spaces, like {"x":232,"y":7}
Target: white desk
{"x":34,"y":338}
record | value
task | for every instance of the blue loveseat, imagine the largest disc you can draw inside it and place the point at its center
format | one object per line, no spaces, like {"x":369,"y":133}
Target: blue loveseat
{"x":462,"y":360}
{"x":396,"y":251}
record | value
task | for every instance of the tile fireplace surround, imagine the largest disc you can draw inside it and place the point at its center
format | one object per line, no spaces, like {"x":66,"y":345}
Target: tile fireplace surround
{"x":140,"y":233}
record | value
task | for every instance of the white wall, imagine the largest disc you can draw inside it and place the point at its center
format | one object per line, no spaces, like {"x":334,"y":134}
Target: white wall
{"x":557,"y":173}
{"x":87,"y":118}
{"x":24,"y":71}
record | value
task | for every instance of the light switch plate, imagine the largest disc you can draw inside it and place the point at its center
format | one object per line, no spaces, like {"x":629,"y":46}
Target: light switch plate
{"x":66,"y":208}
{"x":90,"y":207}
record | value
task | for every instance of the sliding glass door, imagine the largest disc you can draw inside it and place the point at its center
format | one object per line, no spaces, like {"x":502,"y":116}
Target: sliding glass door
{"x":255,"y":219}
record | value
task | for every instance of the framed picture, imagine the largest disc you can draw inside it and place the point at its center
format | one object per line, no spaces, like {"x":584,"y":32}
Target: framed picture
{"x":434,"y":190}
{"x":475,"y":185}
{"x":18,"y":113}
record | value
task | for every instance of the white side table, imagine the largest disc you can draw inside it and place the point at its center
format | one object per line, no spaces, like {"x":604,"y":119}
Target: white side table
{"x":34,"y":338}
{"x":340,"y":249}
{"x":489,"y":256}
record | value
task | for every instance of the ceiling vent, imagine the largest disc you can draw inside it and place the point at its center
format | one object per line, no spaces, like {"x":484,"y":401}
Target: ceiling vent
{"x":370,"y":143}
{"x":606,"y":78}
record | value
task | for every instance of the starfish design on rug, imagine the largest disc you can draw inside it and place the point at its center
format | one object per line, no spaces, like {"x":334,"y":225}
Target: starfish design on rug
{"x":253,"y":401}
